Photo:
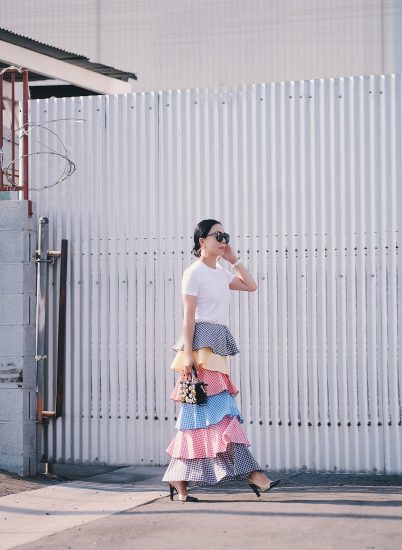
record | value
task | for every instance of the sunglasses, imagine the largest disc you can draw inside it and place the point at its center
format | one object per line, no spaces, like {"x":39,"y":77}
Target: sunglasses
{"x":220,"y":236}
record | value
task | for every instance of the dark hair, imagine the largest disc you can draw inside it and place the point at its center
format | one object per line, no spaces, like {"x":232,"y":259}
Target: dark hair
{"x":201,"y":231}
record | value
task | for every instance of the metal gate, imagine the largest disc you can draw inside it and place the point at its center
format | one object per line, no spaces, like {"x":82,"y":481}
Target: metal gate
{"x":306,"y":178}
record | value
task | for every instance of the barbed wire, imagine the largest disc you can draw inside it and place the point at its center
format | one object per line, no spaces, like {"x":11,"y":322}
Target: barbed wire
{"x":69,"y":166}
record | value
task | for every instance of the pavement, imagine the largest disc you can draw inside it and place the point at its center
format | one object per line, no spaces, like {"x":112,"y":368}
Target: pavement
{"x":128,"y":508}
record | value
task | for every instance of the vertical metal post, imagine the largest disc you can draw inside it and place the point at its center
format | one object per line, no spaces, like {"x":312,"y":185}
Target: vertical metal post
{"x":1,"y":131}
{"x":13,"y":127}
{"x":61,"y":341}
{"x":23,"y":181}
{"x":41,"y":299}
{"x":25,"y":145}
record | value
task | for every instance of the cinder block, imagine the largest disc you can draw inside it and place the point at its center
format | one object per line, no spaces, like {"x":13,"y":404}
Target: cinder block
{"x":11,"y":344}
{"x":17,"y":246}
{"x":22,"y":465}
{"x":17,"y":403}
{"x":30,"y":404}
{"x":29,"y":342}
{"x":13,"y":463}
{"x":11,"y":437}
{"x":29,"y":465}
{"x":12,"y":405}
{"x":12,"y":278}
{"x":29,"y":373}
{"x":17,"y":341}
{"x":16,"y":309}
{"x":29,"y":278}
{"x":18,"y":430}
{"x":18,"y":278}
{"x":11,"y":371}
{"x":29,"y":438}
{"x":17,"y":372}
{"x":14,"y":215}
{"x":11,"y":309}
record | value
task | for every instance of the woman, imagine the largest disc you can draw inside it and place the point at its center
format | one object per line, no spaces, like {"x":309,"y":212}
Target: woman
{"x":210,"y":446}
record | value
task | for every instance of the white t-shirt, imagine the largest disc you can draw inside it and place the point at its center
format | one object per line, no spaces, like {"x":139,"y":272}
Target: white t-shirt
{"x":211,"y":286}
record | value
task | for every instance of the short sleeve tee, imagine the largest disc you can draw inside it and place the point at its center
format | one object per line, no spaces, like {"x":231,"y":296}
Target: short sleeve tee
{"x":211,"y":286}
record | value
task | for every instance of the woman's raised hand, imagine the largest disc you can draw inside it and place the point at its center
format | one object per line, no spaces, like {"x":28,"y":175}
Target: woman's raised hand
{"x":189,"y":363}
{"x":229,"y":254}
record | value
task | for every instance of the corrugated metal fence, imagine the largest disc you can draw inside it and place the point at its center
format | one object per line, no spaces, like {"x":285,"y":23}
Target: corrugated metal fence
{"x":306,"y":177}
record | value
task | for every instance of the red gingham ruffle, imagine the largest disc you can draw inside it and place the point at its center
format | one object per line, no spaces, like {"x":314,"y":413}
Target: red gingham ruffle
{"x":207,"y":442}
{"x":217,"y":382}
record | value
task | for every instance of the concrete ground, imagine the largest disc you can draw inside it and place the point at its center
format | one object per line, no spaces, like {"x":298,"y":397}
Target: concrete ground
{"x":12,"y":483}
{"x":129,"y":508}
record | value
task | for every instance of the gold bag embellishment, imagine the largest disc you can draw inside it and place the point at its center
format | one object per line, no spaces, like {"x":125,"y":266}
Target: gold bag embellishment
{"x":192,"y":391}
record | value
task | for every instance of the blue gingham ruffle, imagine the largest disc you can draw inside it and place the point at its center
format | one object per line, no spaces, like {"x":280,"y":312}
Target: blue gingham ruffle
{"x":193,"y":417}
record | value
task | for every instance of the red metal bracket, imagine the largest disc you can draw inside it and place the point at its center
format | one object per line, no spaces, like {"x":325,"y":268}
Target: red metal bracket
{"x":20,"y":135}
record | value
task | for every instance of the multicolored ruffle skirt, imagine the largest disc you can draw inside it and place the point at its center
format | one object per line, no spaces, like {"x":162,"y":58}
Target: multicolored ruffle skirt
{"x":210,"y":445}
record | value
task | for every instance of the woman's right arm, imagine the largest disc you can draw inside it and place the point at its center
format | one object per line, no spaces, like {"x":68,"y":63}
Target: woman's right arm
{"x":190,"y":305}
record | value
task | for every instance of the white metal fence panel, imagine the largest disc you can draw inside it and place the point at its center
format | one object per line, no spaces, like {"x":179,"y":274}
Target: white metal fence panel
{"x":306,"y":178}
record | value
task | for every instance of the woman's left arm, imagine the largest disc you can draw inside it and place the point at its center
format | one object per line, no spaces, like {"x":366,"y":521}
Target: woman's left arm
{"x":243,"y":280}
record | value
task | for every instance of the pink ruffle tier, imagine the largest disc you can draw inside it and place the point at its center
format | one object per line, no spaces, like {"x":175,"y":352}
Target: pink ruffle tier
{"x":207,"y":442}
{"x":217,"y":382}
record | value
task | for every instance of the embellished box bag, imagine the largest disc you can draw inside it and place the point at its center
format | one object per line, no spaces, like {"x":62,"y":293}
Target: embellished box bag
{"x":192,"y":391}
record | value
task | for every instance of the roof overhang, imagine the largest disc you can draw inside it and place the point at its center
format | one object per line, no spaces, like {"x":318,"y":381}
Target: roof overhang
{"x":61,"y":70}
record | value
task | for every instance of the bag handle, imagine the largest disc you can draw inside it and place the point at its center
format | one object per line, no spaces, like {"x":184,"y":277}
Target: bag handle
{"x":194,"y":374}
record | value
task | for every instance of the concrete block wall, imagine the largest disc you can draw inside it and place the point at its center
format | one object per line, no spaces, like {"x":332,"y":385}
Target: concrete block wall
{"x":17,"y":339}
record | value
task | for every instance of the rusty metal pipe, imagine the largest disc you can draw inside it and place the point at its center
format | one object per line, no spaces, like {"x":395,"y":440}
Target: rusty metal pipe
{"x":1,"y":129}
{"x":48,"y":413}
{"x":61,"y":340}
{"x":13,"y":128}
{"x":25,"y":131}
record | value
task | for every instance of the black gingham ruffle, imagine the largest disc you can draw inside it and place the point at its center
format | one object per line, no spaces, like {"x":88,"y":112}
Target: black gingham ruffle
{"x":211,"y":335}
{"x":235,"y":464}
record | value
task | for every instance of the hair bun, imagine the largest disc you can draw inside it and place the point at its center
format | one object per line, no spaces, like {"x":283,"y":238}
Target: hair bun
{"x":201,"y":231}
{"x":196,"y":249}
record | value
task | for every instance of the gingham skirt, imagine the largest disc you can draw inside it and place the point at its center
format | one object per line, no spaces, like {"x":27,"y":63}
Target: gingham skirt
{"x":210,"y":445}
{"x":211,"y":335}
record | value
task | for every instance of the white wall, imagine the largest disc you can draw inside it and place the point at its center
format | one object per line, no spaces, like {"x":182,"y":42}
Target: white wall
{"x":173,"y":44}
{"x":305,"y":176}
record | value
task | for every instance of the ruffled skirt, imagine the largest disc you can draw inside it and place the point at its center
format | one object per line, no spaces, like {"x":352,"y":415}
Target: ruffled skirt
{"x":210,"y":445}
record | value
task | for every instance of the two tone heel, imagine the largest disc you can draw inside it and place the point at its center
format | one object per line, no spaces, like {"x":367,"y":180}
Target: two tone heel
{"x":187,"y":498}
{"x":258,"y":490}
{"x":172,"y":491}
{"x":182,"y":498}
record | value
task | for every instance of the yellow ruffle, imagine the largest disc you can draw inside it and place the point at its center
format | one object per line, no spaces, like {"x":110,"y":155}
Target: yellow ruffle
{"x":204,"y":358}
